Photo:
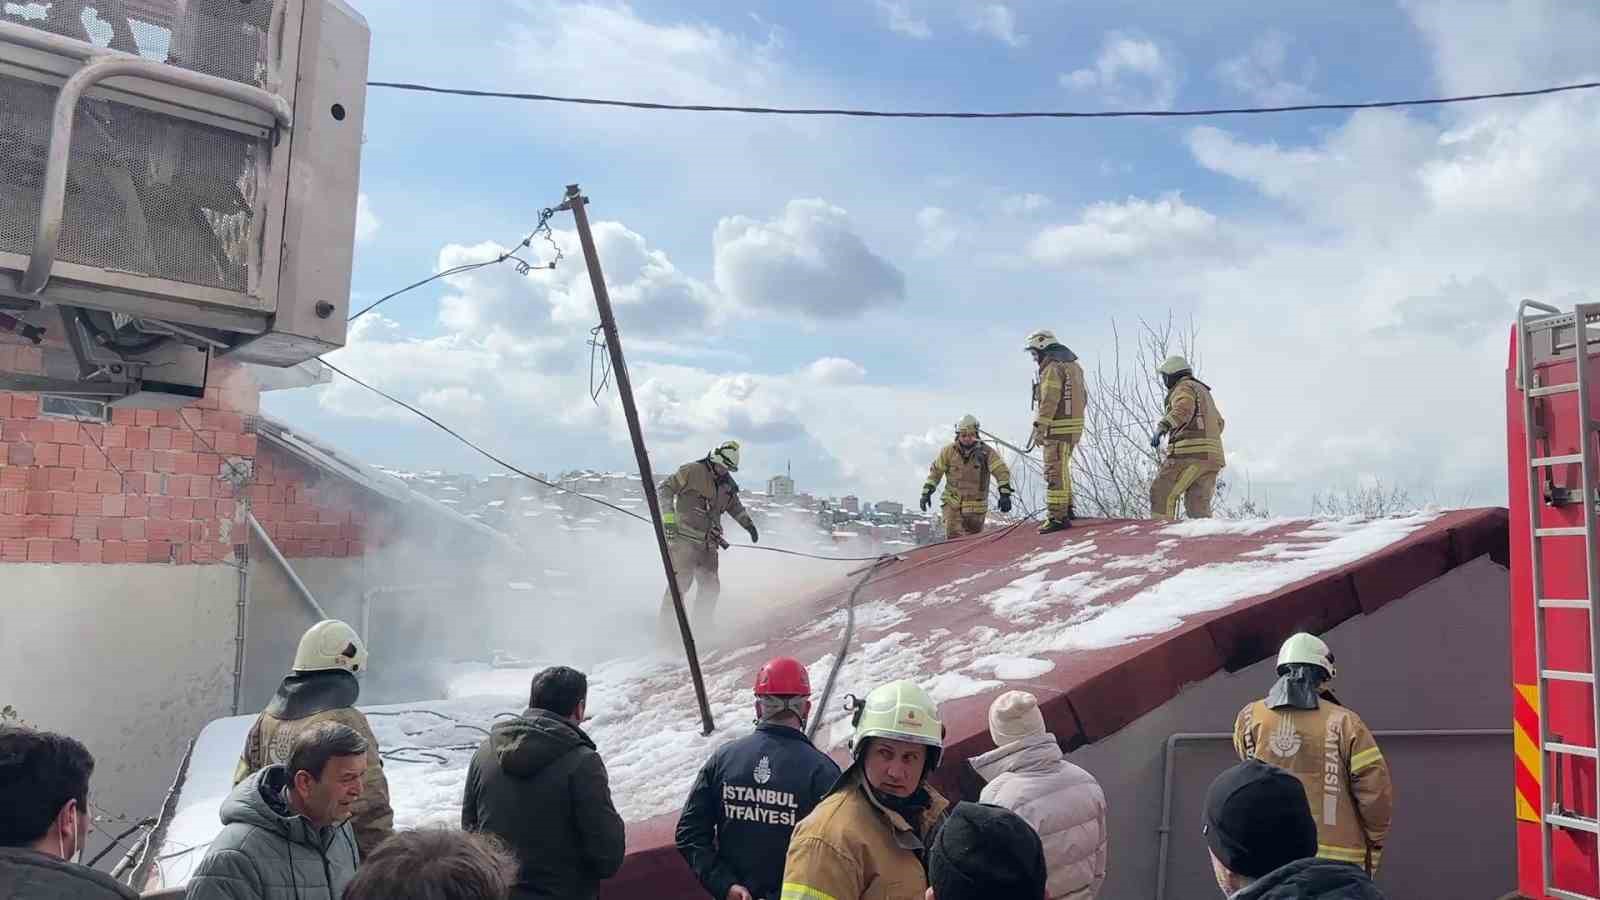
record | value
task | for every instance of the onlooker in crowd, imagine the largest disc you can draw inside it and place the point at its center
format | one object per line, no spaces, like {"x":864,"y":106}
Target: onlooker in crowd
{"x":44,"y":819}
{"x":1263,"y":841}
{"x":286,"y":829}
{"x":1027,"y":774}
{"x":868,"y":838}
{"x":436,"y":864}
{"x":322,"y":687}
{"x":735,"y":827}
{"x":538,"y":784}
{"x":985,"y":852}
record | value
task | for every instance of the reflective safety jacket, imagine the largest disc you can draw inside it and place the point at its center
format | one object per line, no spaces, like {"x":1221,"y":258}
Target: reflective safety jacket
{"x":1333,"y":754}
{"x":693,"y":501}
{"x":852,"y":848}
{"x":305,"y":699}
{"x":1194,"y":424}
{"x":967,"y":475}
{"x":1059,"y":397}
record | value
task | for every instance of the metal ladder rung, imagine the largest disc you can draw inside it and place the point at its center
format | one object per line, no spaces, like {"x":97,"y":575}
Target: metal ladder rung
{"x":1560,"y":894}
{"x":1575,"y":823}
{"x":1552,"y":603}
{"x":1566,"y":460}
{"x":1559,"y":675}
{"x":1572,"y":750}
{"x":1553,"y":389}
{"x":1575,"y":531}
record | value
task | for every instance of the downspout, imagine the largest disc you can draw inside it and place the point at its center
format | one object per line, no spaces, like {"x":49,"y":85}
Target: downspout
{"x":243,"y":611}
{"x":288,"y":570}
{"x":371,"y":594}
{"x":1169,"y":755}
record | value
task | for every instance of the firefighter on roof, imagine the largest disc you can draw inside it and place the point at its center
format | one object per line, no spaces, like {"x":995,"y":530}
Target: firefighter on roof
{"x":1193,"y":427}
{"x":322,"y":687}
{"x":735,"y":826}
{"x":1301,"y":727}
{"x":693,"y":501}
{"x":1059,"y":400}
{"x":966,"y":465}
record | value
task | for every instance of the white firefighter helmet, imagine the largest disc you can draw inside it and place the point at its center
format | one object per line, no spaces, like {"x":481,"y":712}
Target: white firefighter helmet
{"x":900,"y":711}
{"x":331,"y":644}
{"x":1173,"y":365}
{"x":967,"y":425}
{"x":1308,"y":649}
{"x":1040,"y":340}
{"x":727,"y":455}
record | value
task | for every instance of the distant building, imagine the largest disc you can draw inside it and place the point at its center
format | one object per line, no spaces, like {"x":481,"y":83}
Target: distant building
{"x":890,"y":508}
{"x":851,"y":504}
{"x":781,"y":487}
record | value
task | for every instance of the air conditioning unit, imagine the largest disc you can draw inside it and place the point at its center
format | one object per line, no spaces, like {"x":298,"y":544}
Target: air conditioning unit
{"x":178,"y":179}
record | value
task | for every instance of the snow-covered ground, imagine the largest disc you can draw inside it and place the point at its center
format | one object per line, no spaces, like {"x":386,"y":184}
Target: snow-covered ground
{"x":642,"y":710}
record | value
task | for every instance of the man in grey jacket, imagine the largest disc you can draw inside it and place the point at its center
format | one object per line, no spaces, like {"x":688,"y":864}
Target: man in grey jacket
{"x":44,"y":819}
{"x":286,"y":829}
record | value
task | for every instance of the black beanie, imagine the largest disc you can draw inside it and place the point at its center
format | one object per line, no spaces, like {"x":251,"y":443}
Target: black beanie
{"x":1257,"y":819}
{"x":986,"y":852}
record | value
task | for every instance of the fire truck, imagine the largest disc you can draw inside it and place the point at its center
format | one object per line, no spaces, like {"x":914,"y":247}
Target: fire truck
{"x":1554,"y":491}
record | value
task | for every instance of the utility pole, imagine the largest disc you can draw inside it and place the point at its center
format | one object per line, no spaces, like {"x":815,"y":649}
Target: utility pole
{"x":575,"y":203}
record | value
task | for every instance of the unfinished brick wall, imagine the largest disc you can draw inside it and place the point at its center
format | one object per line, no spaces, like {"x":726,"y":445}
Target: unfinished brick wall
{"x":310,"y":513}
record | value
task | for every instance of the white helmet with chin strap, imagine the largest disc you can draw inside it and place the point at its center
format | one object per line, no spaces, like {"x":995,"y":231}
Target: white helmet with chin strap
{"x":329,"y":645}
{"x":727,"y":455}
{"x":1306,"y":649}
{"x":1040,"y":340}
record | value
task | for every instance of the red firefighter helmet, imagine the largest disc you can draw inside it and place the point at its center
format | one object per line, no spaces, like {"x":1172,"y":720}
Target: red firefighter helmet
{"x":783,"y":676}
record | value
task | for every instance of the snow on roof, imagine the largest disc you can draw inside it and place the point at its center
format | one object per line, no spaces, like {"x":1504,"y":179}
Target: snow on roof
{"x":496,"y":504}
{"x":1022,"y":609}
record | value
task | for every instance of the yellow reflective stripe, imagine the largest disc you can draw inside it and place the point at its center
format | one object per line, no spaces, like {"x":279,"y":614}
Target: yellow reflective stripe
{"x":970,"y":507}
{"x":1067,"y":421}
{"x":1365,"y":759}
{"x":1207,"y":444}
{"x":1185,"y":481}
{"x":928,"y":486}
{"x":1343,"y":854}
{"x":792,"y":891}
{"x":669,"y":518}
{"x":1053,"y":496}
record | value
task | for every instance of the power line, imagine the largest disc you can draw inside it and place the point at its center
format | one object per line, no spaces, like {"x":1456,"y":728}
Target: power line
{"x":1040,"y":114}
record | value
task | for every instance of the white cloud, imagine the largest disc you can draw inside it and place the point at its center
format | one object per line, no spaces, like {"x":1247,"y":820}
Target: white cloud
{"x":1131,"y":72}
{"x":1495,"y":45}
{"x":835,"y":370}
{"x":808,"y":262}
{"x":901,"y":20}
{"x":997,"y":21}
{"x":367,"y":222}
{"x":1260,"y":73}
{"x":939,"y":231}
{"x":1136,"y":229}
{"x":1025,"y":204}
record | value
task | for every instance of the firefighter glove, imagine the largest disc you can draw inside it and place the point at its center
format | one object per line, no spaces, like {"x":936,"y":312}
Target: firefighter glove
{"x":927,"y":500}
{"x":1155,"y":439}
{"x":755,"y":536}
{"x":1005,"y":500}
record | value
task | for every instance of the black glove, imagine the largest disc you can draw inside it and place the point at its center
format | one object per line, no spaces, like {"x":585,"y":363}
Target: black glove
{"x":755,"y":536}
{"x":927,"y":500}
{"x":1155,"y":439}
{"x":1005,"y":501}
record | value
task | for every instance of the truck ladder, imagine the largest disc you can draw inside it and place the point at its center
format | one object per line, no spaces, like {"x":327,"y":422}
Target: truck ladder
{"x":1549,"y":319}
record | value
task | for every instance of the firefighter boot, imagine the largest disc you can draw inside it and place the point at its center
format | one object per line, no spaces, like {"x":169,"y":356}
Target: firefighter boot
{"x":1051,"y":526}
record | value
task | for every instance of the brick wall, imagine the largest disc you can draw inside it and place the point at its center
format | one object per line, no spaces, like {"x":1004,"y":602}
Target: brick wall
{"x":142,"y":487}
{"x":310,"y":513}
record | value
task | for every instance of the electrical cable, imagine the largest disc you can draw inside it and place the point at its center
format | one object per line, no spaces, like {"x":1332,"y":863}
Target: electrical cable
{"x":898,"y":114}
{"x":117,"y":841}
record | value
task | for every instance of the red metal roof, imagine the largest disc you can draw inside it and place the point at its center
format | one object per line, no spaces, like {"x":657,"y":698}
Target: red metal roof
{"x":1092,"y":692}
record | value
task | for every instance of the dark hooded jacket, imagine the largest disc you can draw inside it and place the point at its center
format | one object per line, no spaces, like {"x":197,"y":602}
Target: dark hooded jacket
{"x":29,"y":875}
{"x":538,"y":784}
{"x":266,"y":851}
{"x":1312,"y":879}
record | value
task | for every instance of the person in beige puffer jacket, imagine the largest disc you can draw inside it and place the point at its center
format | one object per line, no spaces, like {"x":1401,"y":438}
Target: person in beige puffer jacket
{"x":1027,"y":774}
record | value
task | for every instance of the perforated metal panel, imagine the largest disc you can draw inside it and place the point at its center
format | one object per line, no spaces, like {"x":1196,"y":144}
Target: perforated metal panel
{"x":226,"y":38}
{"x":147,"y":194}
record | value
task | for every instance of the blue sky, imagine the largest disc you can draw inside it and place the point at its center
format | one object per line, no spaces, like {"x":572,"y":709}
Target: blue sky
{"x":836,"y":292}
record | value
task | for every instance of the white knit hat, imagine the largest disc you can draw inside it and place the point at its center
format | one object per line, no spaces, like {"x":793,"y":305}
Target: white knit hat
{"x":1013,"y":716}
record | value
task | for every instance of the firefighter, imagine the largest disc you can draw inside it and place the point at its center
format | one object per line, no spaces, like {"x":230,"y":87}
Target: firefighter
{"x":735,"y":826}
{"x":1059,"y":399}
{"x":869,"y":837}
{"x":1300,"y":726}
{"x":1193,"y":427}
{"x":322,"y":687}
{"x":693,"y":501}
{"x":966,"y":466}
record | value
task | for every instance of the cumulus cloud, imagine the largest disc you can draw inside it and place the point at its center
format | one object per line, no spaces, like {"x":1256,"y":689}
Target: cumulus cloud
{"x":835,"y":370}
{"x":1131,"y":71}
{"x":939,"y":231}
{"x":1135,"y":229}
{"x":1263,"y":73}
{"x":367,"y":222}
{"x":998,"y":21}
{"x":808,"y":262}
{"x":901,"y":20}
